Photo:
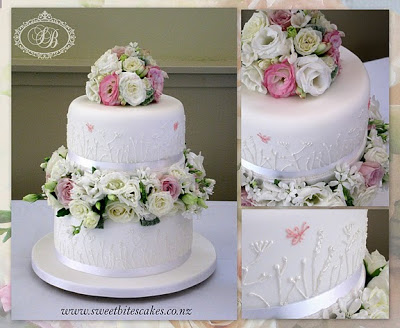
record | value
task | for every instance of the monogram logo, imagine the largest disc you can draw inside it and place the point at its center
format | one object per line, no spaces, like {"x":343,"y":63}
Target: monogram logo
{"x":44,"y":37}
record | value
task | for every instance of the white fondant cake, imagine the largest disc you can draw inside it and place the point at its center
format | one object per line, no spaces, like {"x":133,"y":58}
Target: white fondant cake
{"x":299,"y":262}
{"x":125,"y":134}
{"x":288,"y":138}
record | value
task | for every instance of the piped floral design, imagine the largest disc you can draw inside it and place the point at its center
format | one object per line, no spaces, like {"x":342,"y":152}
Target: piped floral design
{"x":263,"y":137}
{"x":297,"y":234}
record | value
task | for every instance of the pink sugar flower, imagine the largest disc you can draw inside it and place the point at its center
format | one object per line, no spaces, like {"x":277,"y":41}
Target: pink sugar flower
{"x":5,"y":297}
{"x":333,"y":38}
{"x":171,"y":184}
{"x":119,"y":50}
{"x":63,"y":191}
{"x":244,"y":198}
{"x":108,"y":90}
{"x":281,"y":18}
{"x":155,"y":75}
{"x":280,"y":80}
{"x":372,"y":172}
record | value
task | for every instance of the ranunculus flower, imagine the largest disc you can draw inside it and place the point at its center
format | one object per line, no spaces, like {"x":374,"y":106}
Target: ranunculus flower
{"x":253,"y":25}
{"x":313,"y":76}
{"x":170,"y":183}
{"x":119,"y":50}
{"x":5,"y":297}
{"x":108,"y":90}
{"x":333,"y":38}
{"x":156,"y":76}
{"x":372,"y":172}
{"x":280,"y":80}
{"x":271,"y":42}
{"x":307,"y":41}
{"x":132,"y":88}
{"x":280,"y":17}
{"x":63,"y":191}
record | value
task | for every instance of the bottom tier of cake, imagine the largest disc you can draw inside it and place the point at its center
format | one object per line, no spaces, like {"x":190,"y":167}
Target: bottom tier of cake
{"x":124,"y":249}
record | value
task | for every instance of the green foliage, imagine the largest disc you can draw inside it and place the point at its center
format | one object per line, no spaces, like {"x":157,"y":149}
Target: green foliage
{"x":63,"y":212}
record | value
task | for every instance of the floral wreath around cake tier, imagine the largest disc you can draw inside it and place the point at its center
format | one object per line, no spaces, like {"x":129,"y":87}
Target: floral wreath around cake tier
{"x":143,"y":196}
{"x":353,"y":185}
{"x":289,"y":52}
{"x":125,"y":75}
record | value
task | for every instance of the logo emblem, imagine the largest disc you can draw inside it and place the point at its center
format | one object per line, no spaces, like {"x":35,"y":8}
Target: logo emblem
{"x":44,"y":37}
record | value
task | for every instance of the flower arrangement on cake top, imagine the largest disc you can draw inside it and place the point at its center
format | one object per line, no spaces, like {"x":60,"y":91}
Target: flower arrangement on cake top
{"x":125,"y":76}
{"x":290,"y":52}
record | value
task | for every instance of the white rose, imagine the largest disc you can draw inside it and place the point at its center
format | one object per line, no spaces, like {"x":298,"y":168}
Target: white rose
{"x":248,"y":54}
{"x":376,"y":302}
{"x":252,"y":78}
{"x":132,"y":88}
{"x":114,"y":183}
{"x":178,"y":171}
{"x":59,"y":154}
{"x":60,"y":169}
{"x":133,"y":64}
{"x":131,"y":195}
{"x":300,"y":19}
{"x":312,"y":75}
{"x":374,"y":113}
{"x":374,"y":261}
{"x":79,"y":209}
{"x":377,"y":154}
{"x":108,"y":63}
{"x":307,"y":41}
{"x":91,"y":220}
{"x":365,"y":197}
{"x":120,"y":212}
{"x":270,"y":42}
{"x":92,"y":90}
{"x":253,"y":25}
{"x":160,"y":203}
{"x":381,"y":281}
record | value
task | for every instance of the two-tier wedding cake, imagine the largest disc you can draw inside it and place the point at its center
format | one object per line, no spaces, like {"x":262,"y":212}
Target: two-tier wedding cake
{"x":125,"y":190}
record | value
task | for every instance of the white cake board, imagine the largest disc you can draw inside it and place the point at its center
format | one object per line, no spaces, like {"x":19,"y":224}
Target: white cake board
{"x":200,"y":265}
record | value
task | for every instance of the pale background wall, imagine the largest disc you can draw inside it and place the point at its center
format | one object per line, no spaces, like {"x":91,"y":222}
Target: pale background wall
{"x":367,"y":31}
{"x":197,"y":48}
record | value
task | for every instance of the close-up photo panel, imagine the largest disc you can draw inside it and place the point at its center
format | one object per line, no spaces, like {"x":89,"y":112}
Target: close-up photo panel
{"x":199,"y":164}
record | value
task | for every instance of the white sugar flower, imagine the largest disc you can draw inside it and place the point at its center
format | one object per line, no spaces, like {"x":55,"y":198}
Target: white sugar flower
{"x":91,"y":220}
{"x":374,"y":261}
{"x":131,"y":195}
{"x":114,"y":183}
{"x":132,"y":88}
{"x":60,"y":169}
{"x":374,"y":112}
{"x":160,"y":203}
{"x":253,"y":25}
{"x":300,"y":19}
{"x":377,"y":154}
{"x":196,"y":161}
{"x":92,"y":90}
{"x":108,"y":63}
{"x":133,"y":64}
{"x":59,"y":154}
{"x":347,"y":176}
{"x":307,"y":41}
{"x":52,"y":201}
{"x":313,"y":76}
{"x":248,"y":54}
{"x":120,"y":212}
{"x":381,"y":281}
{"x":365,"y":196}
{"x":79,"y":209}
{"x":374,"y":140}
{"x":376,"y":302}
{"x":270,"y":42}
{"x":252,"y":78}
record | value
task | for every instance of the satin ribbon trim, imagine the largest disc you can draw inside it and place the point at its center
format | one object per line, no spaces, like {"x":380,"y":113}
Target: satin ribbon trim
{"x":309,"y":306}
{"x":121,"y":273}
{"x":127,"y":167}
{"x":312,"y":174}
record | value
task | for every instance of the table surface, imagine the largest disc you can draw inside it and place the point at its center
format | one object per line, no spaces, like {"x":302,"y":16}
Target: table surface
{"x":33,"y":299}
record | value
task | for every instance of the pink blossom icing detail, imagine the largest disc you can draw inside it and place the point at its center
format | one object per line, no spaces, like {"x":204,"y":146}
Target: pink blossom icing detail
{"x":297,"y":233}
{"x":90,"y":127}
{"x":176,"y":124}
{"x":263,"y":138}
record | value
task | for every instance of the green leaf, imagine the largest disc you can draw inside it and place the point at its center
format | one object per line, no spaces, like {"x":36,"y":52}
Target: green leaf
{"x":46,"y":159}
{"x":5,"y":216}
{"x":347,"y":197}
{"x":7,"y":232}
{"x":93,"y":169}
{"x":63,"y":212}
{"x":100,"y":224}
{"x":276,"y":181}
{"x":147,"y":223}
{"x":143,"y":192}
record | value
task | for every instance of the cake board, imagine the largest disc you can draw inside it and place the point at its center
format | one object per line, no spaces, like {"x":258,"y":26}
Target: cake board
{"x":200,"y":266}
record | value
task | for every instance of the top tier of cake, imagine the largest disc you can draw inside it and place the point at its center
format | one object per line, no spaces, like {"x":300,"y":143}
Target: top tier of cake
{"x":292,"y":137}
{"x":125,"y":134}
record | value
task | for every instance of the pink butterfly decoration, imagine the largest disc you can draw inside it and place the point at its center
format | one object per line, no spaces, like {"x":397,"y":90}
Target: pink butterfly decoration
{"x":176,"y":124}
{"x":90,"y":127}
{"x":264,"y":138}
{"x":297,"y":233}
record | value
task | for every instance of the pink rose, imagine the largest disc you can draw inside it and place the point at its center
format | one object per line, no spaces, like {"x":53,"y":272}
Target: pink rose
{"x":156,"y":77}
{"x":5,"y":297}
{"x":280,"y":80}
{"x":63,"y":191}
{"x":171,"y":184}
{"x":108,"y":90}
{"x":280,"y":17}
{"x":333,"y":38}
{"x":244,"y":198}
{"x":118,"y":50}
{"x":372,"y":172}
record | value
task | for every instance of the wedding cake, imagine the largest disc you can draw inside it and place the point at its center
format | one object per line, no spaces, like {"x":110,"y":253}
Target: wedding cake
{"x":125,"y":188}
{"x":299,"y":263}
{"x":308,"y":122}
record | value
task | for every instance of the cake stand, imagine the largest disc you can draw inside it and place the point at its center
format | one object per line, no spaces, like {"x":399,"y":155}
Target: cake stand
{"x":200,"y":265}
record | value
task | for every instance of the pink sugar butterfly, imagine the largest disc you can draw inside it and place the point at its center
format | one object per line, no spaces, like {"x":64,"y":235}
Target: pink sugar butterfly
{"x":90,"y":127}
{"x":176,"y":124}
{"x":297,"y":233}
{"x":264,"y":138}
